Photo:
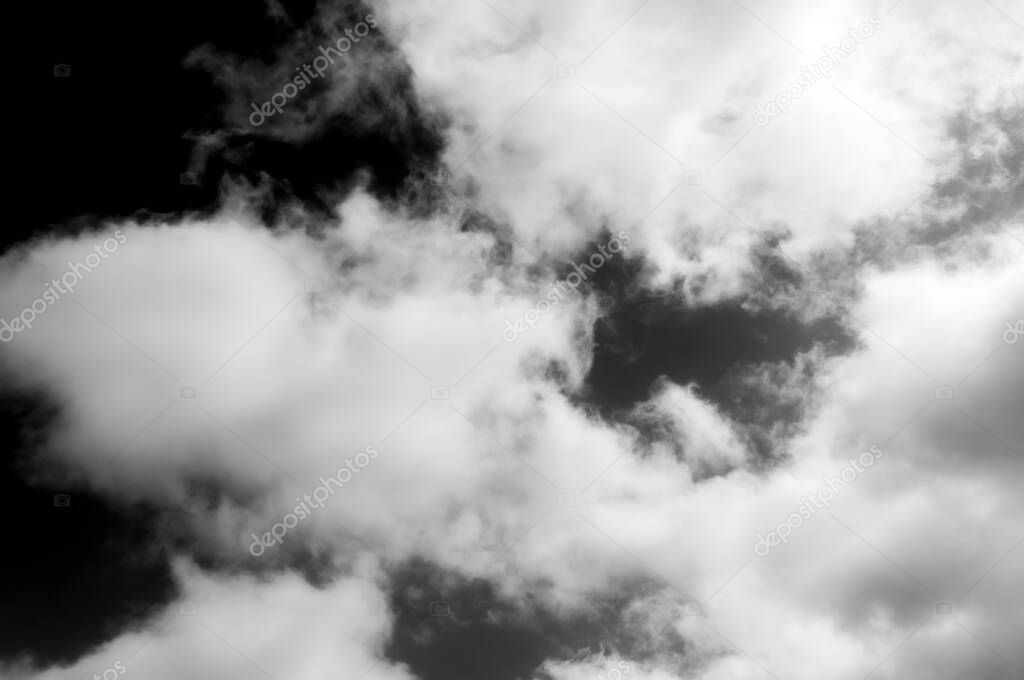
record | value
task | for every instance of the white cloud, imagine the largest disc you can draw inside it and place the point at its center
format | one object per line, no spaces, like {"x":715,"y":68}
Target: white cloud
{"x":289,"y":383}
{"x":242,"y":627}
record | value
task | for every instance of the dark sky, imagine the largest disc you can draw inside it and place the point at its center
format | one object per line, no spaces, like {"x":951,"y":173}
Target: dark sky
{"x":73,"y":574}
{"x":114,"y":138}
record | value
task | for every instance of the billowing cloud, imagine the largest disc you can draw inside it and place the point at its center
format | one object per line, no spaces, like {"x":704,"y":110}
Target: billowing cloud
{"x":313,"y":405}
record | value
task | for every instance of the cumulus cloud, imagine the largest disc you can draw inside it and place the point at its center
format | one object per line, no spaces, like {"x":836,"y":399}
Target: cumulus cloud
{"x":658,"y":90}
{"x":243,"y":628}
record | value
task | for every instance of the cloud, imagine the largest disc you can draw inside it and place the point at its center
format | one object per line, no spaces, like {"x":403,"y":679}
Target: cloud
{"x":244,"y":627}
{"x":220,"y":369}
{"x":637,"y":120}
